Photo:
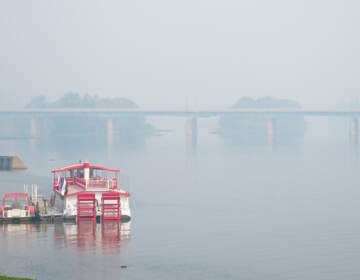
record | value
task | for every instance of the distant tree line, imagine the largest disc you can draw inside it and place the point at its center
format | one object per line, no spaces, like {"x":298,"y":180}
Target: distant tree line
{"x":66,"y":131}
{"x":75,"y":100}
{"x":265,"y":102}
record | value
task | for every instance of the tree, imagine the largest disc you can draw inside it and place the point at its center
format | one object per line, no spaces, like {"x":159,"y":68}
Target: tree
{"x":38,"y":102}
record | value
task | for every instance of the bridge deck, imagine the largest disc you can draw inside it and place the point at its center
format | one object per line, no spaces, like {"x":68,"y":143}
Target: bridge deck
{"x":182,"y":112}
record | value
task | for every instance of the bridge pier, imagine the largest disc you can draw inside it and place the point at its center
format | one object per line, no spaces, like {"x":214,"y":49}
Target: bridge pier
{"x":33,"y":128}
{"x":191,"y":131}
{"x":354,"y":131}
{"x":271,"y":131}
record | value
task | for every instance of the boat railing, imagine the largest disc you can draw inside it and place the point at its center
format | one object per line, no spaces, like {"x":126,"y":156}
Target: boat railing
{"x":80,"y":182}
{"x":102,"y":183}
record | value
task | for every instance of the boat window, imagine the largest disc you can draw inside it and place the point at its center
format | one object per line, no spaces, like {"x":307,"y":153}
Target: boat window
{"x":79,"y":173}
{"x":97,"y":173}
{"x":16,"y":202}
{"x":9,"y":201}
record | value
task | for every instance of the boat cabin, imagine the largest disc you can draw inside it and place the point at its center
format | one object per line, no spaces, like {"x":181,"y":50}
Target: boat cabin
{"x":16,"y":205}
{"x":84,"y":177}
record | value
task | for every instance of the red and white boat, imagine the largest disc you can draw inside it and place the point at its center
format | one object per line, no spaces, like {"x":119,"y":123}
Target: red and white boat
{"x":16,"y":208}
{"x":87,"y":191}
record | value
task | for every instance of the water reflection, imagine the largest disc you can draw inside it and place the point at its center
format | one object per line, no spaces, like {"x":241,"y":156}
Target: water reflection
{"x":106,"y":237}
{"x":64,"y":132}
{"x":90,"y":236}
{"x":191,"y":134}
{"x":17,"y":231}
{"x":260,"y":130}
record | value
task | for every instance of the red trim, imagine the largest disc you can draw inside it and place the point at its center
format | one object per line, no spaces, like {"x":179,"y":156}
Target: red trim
{"x":70,"y":167}
{"x":125,"y":194}
{"x":83,"y":165}
{"x":104,"y":168}
{"x":32,"y":210}
{"x":7,"y":195}
{"x":71,"y":194}
{"x":122,"y":193}
{"x":84,"y":191}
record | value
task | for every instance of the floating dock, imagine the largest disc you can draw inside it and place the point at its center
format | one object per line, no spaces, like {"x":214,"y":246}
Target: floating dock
{"x":11,"y":163}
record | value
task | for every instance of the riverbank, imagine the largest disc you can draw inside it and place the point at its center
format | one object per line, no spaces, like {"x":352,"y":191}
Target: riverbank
{"x":5,"y":277}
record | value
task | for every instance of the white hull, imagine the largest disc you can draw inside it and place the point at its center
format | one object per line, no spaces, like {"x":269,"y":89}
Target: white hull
{"x":68,"y":206}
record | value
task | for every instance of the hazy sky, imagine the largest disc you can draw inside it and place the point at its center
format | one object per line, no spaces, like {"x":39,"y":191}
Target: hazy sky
{"x":164,"y":53}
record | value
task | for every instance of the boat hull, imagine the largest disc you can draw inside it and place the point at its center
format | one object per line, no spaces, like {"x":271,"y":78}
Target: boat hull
{"x":73,"y":218}
{"x":68,"y":206}
{"x":19,"y":220}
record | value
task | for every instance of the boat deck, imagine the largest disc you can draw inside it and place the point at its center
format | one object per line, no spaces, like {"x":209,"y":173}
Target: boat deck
{"x":74,"y":189}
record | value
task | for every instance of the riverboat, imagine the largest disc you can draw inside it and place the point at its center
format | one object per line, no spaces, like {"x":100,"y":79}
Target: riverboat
{"x":17,"y":208}
{"x":85,"y":191}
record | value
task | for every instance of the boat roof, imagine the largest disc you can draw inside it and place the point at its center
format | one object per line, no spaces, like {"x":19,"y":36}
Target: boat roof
{"x":121,"y":192}
{"x":84,"y":165}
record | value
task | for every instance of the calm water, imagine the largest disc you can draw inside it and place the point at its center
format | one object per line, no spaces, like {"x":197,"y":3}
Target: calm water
{"x":219,"y":212}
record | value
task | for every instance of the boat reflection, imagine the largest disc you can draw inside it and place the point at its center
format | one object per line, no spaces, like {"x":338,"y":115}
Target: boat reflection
{"x":106,"y":237}
{"x":88,"y":235}
{"x":16,"y":231}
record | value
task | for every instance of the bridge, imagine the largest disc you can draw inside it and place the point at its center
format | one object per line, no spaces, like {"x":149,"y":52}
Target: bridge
{"x":191,"y":116}
{"x":182,"y":111}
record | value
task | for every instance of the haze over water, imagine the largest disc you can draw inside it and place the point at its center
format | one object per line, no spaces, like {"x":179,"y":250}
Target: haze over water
{"x":215,"y":212}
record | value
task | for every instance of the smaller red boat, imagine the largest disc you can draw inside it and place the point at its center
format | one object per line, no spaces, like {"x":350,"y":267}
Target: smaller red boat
{"x":16,"y":208}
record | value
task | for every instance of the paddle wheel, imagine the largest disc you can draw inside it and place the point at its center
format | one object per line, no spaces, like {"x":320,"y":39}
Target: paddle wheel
{"x":110,"y":203}
{"x":86,"y":207}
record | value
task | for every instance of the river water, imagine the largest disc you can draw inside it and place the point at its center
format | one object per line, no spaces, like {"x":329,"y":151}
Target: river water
{"x":217,"y":211}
